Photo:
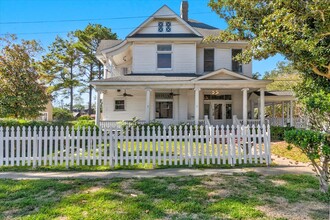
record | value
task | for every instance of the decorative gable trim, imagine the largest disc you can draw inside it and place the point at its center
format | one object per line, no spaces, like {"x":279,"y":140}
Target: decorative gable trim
{"x":227,"y":72}
{"x":154,"y":15}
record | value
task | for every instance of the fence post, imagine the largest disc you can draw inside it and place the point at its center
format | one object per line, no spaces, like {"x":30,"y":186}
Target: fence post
{"x":269,"y":144}
{"x":35,"y":147}
{"x":3,"y":138}
{"x":191,"y":150}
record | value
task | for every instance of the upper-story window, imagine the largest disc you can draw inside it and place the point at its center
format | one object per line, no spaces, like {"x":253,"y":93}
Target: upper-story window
{"x":164,"y":56}
{"x":167,"y":27}
{"x":208,"y":60}
{"x":236,"y":66}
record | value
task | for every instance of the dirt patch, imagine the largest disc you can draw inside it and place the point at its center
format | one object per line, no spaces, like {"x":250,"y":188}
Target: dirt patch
{"x":126,"y":186}
{"x":10,"y":213}
{"x":278,"y":182}
{"x":295,"y":211}
{"x":93,"y":189}
{"x":172,"y":186}
{"x":222,"y":193}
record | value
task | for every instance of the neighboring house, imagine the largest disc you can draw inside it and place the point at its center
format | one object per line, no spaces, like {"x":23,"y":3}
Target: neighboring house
{"x":165,"y":71}
{"x":47,"y":114}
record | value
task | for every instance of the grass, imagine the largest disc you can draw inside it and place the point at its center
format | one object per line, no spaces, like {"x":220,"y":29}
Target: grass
{"x":241,"y":196}
{"x":281,"y":149}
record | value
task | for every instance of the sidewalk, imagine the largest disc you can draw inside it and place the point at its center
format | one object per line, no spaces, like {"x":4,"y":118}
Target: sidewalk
{"x":285,"y":166}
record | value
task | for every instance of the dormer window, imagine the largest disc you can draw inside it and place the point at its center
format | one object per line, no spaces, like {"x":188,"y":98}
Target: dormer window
{"x":168,"y":26}
{"x":160,"y":26}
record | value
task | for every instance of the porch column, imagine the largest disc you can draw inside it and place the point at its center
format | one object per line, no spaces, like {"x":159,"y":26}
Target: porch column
{"x":291,"y":113}
{"x":245,"y":105}
{"x":97,"y":106}
{"x":283,"y":114}
{"x":197,"y":105}
{"x":262,"y":106}
{"x":252,"y":109}
{"x":273,"y":114}
{"x":287,"y":112}
{"x":147,"y":117}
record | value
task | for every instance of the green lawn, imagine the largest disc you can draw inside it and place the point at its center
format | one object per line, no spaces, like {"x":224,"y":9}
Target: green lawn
{"x":281,"y":149}
{"x":247,"y":196}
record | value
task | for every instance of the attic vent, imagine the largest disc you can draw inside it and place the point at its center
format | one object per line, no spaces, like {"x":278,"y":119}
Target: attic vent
{"x":160,"y":26}
{"x":168,"y":26}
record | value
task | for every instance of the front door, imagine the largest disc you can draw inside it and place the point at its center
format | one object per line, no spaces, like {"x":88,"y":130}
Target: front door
{"x":221,"y":113}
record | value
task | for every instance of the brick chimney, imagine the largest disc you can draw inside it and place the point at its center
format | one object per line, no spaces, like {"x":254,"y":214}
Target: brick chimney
{"x":184,"y":10}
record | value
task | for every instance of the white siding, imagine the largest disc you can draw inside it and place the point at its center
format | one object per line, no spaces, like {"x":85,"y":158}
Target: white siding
{"x":222,"y":59}
{"x":200,"y":60}
{"x":134,"y":106}
{"x":247,"y":69}
{"x":144,"y":58}
{"x":183,"y":58}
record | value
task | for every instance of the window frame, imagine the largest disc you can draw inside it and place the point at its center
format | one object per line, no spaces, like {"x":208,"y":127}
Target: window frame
{"x":204,"y":60}
{"x":119,"y":110}
{"x":234,"y":62}
{"x":170,"y":52}
{"x":164,"y":101}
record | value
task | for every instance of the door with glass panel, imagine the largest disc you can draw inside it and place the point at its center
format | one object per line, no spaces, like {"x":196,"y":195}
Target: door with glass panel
{"x":221,"y":113}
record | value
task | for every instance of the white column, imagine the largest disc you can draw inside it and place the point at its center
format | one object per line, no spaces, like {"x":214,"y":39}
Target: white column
{"x":262,"y":106}
{"x":245,"y":105}
{"x":283,"y":114}
{"x":147,"y":117}
{"x":287,"y":112}
{"x":252,"y":109}
{"x":98,"y":108}
{"x":291,"y":113}
{"x":105,"y":70}
{"x":197,"y":105}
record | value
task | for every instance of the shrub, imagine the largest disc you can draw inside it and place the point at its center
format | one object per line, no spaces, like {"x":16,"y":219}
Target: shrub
{"x":84,"y":118}
{"x":277,"y":133}
{"x":316,"y":146}
{"x":60,"y":114}
{"x":27,"y":123}
{"x":78,"y":125}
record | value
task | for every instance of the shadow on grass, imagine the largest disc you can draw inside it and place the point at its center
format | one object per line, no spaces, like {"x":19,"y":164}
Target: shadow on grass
{"x":218,"y":196}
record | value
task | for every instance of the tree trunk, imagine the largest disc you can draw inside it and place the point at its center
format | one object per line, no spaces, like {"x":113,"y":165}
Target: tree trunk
{"x":324,"y":175}
{"x":90,"y":90}
{"x":71,"y":89}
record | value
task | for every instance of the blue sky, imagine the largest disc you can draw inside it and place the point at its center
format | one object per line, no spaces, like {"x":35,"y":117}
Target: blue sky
{"x":98,"y":11}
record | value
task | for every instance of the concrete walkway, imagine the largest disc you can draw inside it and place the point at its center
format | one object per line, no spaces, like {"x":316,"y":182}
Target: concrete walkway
{"x":285,"y":166}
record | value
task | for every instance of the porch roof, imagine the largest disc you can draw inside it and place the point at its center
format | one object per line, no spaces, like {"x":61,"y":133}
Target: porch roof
{"x":145,"y":77}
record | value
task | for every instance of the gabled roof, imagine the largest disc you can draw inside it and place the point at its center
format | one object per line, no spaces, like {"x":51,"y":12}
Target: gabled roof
{"x":105,"y":44}
{"x":223,"y":74}
{"x":205,"y":29}
{"x":170,"y":14}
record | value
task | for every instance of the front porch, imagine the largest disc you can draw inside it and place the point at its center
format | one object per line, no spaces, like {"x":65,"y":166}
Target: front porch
{"x":218,"y":98}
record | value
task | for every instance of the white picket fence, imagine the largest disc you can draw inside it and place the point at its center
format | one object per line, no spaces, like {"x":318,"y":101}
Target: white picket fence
{"x":52,"y":146}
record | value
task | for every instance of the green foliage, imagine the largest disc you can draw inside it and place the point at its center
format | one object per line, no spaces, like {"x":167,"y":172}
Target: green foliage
{"x":84,"y":118}
{"x":277,"y":133}
{"x":314,"y":94}
{"x":60,"y":114}
{"x":79,"y":125}
{"x":21,"y":93}
{"x":27,"y":123}
{"x":61,"y":67}
{"x":312,"y":143}
{"x":316,"y":146}
{"x":297,"y":29}
{"x":88,"y":42}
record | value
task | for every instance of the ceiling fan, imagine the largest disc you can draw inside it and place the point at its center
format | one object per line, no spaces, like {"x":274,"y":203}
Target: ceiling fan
{"x":126,"y":94}
{"x":173,"y":94}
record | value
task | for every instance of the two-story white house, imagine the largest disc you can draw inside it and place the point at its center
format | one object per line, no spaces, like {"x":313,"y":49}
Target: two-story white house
{"x":165,"y":71}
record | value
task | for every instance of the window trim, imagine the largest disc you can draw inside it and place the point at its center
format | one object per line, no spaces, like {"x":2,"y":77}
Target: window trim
{"x":239,"y":63}
{"x":119,"y":99}
{"x":208,"y":60}
{"x":164,"y":52}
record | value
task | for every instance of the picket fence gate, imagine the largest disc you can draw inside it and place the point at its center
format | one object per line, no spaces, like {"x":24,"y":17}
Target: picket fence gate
{"x":187,"y":145}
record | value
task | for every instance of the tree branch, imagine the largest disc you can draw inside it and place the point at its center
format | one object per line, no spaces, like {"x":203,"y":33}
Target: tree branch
{"x":318,"y":72}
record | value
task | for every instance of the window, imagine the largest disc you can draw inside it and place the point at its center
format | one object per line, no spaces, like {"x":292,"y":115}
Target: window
{"x":217,"y":97}
{"x":236,"y":66}
{"x":119,"y":105}
{"x":228,"y":111}
{"x":164,"y":56}
{"x":160,"y":26}
{"x":208,"y":60}
{"x":168,"y":26}
{"x":164,"y":109}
